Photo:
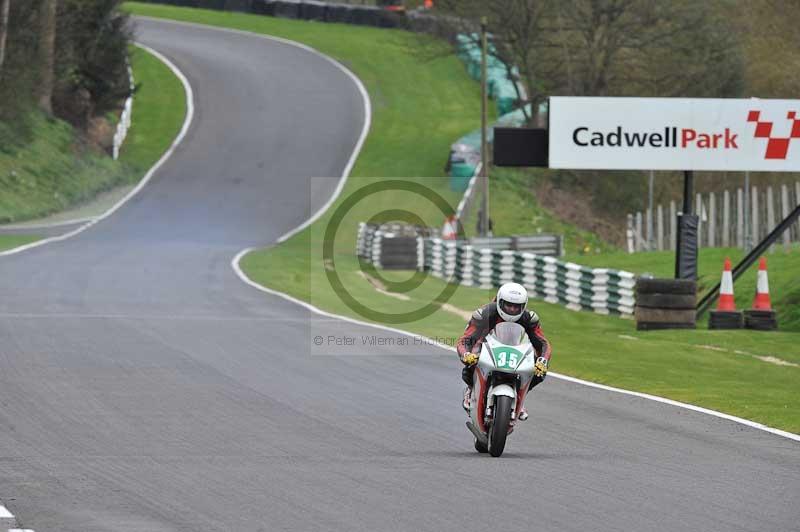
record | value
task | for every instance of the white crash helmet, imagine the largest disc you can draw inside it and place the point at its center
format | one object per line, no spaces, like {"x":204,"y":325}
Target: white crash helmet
{"x":512,"y":299}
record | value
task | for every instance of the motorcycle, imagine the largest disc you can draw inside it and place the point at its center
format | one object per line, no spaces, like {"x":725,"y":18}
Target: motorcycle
{"x":502,"y":377}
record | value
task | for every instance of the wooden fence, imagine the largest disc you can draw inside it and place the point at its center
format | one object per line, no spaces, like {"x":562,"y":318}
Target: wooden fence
{"x":725,"y":219}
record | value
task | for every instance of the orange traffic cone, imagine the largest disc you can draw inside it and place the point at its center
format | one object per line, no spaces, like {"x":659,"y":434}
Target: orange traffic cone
{"x":726,"y":316}
{"x":450,"y":229}
{"x":762,"y":301}
{"x":726,"y":302}
{"x":761,"y":317}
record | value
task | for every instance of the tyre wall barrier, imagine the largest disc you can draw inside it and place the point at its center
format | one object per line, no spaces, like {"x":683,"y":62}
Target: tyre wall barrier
{"x":388,"y":248}
{"x":313,"y":10}
{"x":665,"y":304}
{"x":576,"y":287}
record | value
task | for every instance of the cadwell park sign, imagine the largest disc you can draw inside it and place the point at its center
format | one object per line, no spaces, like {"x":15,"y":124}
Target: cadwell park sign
{"x":674,"y":134}
{"x":685,"y":134}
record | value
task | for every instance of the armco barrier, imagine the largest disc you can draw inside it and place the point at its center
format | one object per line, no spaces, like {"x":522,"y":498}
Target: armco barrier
{"x":124,"y":119}
{"x":577,"y":287}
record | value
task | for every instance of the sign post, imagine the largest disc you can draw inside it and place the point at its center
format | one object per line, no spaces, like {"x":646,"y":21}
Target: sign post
{"x":484,"y":174}
{"x":688,"y":223}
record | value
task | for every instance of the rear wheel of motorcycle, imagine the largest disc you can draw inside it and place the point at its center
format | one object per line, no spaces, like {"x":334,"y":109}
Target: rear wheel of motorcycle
{"x":499,"y":430}
{"x":481,"y":448}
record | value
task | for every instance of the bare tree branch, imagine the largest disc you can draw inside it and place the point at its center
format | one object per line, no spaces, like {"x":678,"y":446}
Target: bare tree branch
{"x":5,"y":7}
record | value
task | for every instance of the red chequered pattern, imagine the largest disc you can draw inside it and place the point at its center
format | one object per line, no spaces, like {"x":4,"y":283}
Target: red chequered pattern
{"x":796,"y":129}
{"x":777,"y":148}
{"x":763,"y":130}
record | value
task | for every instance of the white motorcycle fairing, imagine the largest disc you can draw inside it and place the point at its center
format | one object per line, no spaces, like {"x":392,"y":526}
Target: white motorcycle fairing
{"x":504,"y":370}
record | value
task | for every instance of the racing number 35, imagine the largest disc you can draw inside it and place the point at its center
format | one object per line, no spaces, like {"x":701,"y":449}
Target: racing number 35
{"x":505,"y":357}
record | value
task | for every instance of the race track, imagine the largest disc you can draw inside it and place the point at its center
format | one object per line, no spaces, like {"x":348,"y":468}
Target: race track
{"x":144,"y":387}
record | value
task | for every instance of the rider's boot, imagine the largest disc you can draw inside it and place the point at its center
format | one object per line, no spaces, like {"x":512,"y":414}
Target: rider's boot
{"x":467,"y":394}
{"x":523,"y":414}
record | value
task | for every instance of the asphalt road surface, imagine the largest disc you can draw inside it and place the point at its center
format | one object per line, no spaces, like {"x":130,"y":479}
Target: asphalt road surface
{"x":144,"y":387}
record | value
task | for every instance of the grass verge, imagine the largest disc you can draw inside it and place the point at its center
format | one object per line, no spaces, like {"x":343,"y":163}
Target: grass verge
{"x":159,"y":107}
{"x":53,"y":171}
{"x":12,"y":241}
{"x":419,"y":108}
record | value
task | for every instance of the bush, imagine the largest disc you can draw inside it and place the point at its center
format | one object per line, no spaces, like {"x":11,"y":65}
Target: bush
{"x":89,"y":55}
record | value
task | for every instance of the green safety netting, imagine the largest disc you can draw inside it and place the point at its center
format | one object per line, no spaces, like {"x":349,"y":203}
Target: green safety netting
{"x":465,"y":152}
{"x":499,"y":85}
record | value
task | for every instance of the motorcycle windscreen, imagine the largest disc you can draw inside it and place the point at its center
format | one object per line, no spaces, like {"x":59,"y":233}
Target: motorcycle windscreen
{"x":510,"y":333}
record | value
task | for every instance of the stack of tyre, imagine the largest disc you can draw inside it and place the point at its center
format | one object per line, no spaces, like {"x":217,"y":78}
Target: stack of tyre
{"x":329,"y":12}
{"x":760,"y":320}
{"x":665,"y":304}
{"x":392,"y":246}
{"x":725,"y":319}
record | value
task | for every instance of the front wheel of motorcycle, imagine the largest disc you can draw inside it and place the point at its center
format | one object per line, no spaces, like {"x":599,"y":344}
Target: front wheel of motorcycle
{"x":499,"y":430}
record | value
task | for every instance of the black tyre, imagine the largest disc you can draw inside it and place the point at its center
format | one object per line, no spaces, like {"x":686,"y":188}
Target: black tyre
{"x":499,"y":430}
{"x":660,"y":326}
{"x":410,"y":257}
{"x":761,"y":324}
{"x":481,"y":448}
{"x":720,"y":319}
{"x":764,"y":314}
{"x":666,"y":286}
{"x":667,"y":301}
{"x":658,"y":315}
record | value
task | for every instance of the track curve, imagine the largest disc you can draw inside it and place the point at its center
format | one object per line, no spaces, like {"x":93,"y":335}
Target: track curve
{"x":144,"y":387}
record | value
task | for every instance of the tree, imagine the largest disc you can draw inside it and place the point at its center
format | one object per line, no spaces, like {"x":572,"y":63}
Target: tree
{"x":47,"y":54}
{"x":647,"y":48}
{"x":521,"y":37}
{"x":91,"y":59}
{"x":5,"y":8}
{"x":609,"y":47}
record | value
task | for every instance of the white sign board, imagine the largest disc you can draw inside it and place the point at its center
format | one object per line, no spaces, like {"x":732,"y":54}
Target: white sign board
{"x":674,"y":134}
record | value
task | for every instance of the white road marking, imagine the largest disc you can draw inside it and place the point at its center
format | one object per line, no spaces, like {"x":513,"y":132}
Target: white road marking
{"x":235,"y":265}
{"x":777,"y":361}
{"x":236,"y":268}
{"x":20,"y":530}
{"x":380,"y":288}
{"x":167,"y":154}
{"x":166,"y":317}
{"x":359,"y":85}
{"x":4,"y":513}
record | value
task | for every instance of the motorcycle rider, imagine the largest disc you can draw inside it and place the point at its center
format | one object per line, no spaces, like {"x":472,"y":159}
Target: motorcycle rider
{"x":510,"y":304}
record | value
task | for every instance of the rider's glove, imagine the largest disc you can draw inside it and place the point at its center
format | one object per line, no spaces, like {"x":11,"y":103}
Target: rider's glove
{"x":469,"y":359}
{"x":540,"y":368}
